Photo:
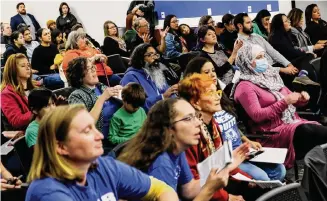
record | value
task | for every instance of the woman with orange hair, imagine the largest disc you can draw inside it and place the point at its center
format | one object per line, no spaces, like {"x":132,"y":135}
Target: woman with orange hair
{"x":15,"y":87}
{"x":200,"y":90}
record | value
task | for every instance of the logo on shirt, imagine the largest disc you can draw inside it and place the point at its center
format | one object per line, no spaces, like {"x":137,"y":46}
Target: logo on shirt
{"x":177,"y":172}
{"x":108,"y":197}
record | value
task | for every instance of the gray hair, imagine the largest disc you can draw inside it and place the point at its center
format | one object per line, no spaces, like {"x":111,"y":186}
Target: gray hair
{"x":136,"y":23}
{"x":72,"y":39}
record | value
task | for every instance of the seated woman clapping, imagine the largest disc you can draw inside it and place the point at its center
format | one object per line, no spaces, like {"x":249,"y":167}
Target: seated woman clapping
{"x":201,"y":92}
{"x":272,"y":107}
{"x":159,"y":149}
{"x":67,"y":164}
{"x":226,"y":119}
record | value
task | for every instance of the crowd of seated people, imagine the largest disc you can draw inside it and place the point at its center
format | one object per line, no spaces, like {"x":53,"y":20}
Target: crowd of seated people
{"x":163,"y":117}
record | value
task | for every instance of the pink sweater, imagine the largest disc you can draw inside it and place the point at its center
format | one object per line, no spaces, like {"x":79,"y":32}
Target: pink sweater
{"x":266,"y":113}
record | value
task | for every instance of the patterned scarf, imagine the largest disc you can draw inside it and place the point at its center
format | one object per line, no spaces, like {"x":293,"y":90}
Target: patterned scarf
{"x":210,"y":142}
{"x":270,"y":79}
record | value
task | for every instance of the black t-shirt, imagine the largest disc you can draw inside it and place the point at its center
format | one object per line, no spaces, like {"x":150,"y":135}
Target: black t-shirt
{"x":228,"y":39}
{"x":43,"y":57}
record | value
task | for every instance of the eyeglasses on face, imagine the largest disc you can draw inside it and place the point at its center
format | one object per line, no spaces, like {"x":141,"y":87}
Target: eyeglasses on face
{"x":92,"y":69}
{"x":190,"y":118}
{"x":213,"y":93}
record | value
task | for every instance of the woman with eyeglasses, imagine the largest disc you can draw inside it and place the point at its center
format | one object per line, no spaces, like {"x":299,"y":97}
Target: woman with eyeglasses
{"x":77,"y":46}
{"x":82,"y":75}
{"x":175,"y":45}
{"x":159,"y":147}
{"x":112,"y":43}
{"x":201,"y":92}
{"x":299,"y":37}
{"x":316,"y":27}
{"x":226,"y":119}
{"x":158,"y":80}
{"x":15,"y":87}
{"x":261,"y":24}
{"x":67,"y":164}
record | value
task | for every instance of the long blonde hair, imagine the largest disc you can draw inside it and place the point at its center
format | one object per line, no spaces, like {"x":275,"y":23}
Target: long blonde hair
{"x":54,"y":127}
{"x":10,"y":75}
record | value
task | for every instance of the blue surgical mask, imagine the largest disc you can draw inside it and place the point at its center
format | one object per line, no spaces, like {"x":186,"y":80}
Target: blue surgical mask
{"x":261,"y":65}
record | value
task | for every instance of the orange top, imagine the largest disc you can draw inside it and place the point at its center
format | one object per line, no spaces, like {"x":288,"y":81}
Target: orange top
{"x":89,"y":52}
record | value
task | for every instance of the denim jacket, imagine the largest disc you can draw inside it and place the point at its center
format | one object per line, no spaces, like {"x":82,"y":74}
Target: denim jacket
{"x":173,"y":46}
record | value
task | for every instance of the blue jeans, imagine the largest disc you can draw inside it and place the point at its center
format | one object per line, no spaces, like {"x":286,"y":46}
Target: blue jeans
{"x":264,"y":171}
{"x":53,"y":81}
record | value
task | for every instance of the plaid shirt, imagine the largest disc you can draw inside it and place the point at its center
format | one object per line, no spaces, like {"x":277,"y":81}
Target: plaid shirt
{"x":88,"y":97}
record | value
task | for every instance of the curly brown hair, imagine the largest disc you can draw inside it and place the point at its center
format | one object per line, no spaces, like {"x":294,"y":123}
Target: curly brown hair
{"x":153,"y":138}
{"x":76,"y":71}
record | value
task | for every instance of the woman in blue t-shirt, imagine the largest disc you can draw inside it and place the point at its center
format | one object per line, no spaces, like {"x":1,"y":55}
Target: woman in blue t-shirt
{"x":159,"y":150}
{"x":67,"y":164}
{"x":229,"y":129}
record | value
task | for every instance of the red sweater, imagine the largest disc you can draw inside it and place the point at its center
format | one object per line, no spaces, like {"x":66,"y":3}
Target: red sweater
{"x":15,"y":108}
{"x":196,"y":155}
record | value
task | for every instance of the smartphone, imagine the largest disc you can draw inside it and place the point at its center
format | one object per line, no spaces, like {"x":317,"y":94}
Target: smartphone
{"x":13,"y":181}
{"x":253,"y":154}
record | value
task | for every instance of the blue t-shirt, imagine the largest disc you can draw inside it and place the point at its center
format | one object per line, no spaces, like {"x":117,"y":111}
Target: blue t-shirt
{"x":108,"y":182}
{"x":173,"y":170}
{"x":228,"y":126}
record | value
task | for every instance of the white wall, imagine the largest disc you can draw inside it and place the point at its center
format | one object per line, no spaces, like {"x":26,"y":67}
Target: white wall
{"x":94,"y":13}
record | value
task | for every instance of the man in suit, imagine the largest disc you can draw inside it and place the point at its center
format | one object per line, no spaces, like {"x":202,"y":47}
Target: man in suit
{"x":23,"y":17}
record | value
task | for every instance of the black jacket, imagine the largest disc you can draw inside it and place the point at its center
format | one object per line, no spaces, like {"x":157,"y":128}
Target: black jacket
{"x":13,"y":49}
{"x":5,"y":40}
{"x":315,"y":173}
{"x":66,"y":24}
{"x":283,"y":44}
{"x":17,"y":19}
{"x":111,"y":46}
{"x":228,"y":39}
{"x":317,"y":31}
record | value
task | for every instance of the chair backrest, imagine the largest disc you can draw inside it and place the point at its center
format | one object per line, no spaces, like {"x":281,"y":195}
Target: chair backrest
{"x":24,"y":153}
{"x":324,"y":148}
{"x":290,"y":192}
{"x":64,"y":92}
{"x":118,"y":149}
{"x":121,"y":31}
{"x":315,"y":63}
{"x":185,"y":58}
{"x":116,"y":63}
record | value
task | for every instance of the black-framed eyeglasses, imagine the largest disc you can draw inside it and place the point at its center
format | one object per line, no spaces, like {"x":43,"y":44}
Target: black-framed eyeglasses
{"x":92,"y":69}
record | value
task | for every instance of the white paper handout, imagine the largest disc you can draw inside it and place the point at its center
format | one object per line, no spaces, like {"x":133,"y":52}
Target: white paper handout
{"x":236,"y":76}
{"x":261,"y":184}
{"x":222,"y":157}
{"x":271,"y":155}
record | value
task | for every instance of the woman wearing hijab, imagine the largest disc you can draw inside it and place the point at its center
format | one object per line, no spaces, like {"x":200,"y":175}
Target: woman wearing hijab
{"x":272,"y":107}
{"x":261,"y":24}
